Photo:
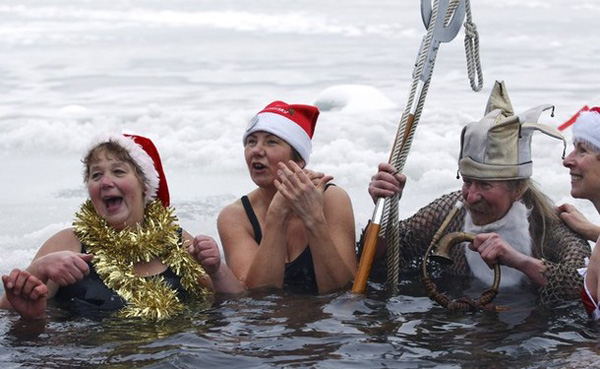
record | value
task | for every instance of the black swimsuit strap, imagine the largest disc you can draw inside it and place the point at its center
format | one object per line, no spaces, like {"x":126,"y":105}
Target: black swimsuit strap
{"x":253,"y":219}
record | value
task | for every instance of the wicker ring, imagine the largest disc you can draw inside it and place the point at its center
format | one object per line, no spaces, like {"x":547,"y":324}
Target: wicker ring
{"x":443,"y":254}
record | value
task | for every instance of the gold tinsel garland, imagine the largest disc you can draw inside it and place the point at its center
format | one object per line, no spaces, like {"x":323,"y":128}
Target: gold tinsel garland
{"x":116,"y":252}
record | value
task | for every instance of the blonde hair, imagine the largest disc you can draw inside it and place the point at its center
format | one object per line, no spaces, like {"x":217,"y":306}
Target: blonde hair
{"x":542,"y":214}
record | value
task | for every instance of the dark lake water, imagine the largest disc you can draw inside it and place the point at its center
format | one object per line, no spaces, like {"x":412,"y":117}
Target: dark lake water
{"x":341,"y":330}
{"x":190,"y":74}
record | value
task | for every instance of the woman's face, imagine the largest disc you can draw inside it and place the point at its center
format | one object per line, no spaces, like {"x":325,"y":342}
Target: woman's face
{"x":584,"y":167}
{"x":115,"y":190}
{"x":487,"y":201}
{"x":263,"y":151}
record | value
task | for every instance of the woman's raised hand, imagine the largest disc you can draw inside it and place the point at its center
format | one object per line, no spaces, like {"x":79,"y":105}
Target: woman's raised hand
{"x":205,"y":250}
{"x":315,"y":177}
{"x":296,"y":186}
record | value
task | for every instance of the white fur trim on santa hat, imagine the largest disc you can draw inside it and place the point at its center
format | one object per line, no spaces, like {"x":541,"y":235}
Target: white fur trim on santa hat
{"x":284,"y":128}
{"x":587,"y":129}
{"x":138,"y":155}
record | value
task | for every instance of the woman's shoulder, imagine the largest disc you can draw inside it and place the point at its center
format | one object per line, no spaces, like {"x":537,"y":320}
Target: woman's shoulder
{"x":334,"y":191}
{"x":237,"y":208}
{"x":337,"y":201}
{"x":66,"y":235}
{"x":231,"y":211}
{"x":64,"y":240}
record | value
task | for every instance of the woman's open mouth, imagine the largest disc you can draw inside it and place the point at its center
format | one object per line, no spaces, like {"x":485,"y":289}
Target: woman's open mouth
{"x":112,"y":203}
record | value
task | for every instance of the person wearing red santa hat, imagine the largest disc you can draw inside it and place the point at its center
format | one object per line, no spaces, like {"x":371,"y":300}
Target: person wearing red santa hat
{"x":294,"y":231}
{"x":125,"y":251}
{"x":584,"y":167}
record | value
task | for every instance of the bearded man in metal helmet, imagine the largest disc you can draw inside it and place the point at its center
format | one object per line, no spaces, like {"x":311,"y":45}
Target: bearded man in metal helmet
{"x":515,"y":225}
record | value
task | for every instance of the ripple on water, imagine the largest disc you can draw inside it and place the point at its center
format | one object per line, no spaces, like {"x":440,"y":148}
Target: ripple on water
{"x":340,"y":330}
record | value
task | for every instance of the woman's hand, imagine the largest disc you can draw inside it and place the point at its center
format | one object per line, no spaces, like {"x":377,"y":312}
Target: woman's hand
{"x":204,"y":249}
{"x":315,"y":177}
{"x":61,"y":267}
{"x":386,"y":183}
{"x":27,"y":294}
{"x":304,"y":197}
{"x":578,"y":222}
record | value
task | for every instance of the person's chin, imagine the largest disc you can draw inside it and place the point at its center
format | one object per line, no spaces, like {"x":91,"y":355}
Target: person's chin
{"x":479,"y":219}
{"x":262,"y":181}
{"x":576,"y":192}
{"x":117,"y":220}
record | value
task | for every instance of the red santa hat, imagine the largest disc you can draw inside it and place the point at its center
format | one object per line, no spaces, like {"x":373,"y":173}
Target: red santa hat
{"x":145,"y":155}
{"x":295,"y":124}
{"x":587,"y":128}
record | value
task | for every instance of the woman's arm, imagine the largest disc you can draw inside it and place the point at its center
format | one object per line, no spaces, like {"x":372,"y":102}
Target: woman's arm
{"x":257,"y":266}
{"x":328,"y":221}
{"x":59,"y":261}
{"x":332,"y":241}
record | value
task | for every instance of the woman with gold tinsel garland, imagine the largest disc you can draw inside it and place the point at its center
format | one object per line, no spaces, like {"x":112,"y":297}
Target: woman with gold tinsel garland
{"x":126,"y":251}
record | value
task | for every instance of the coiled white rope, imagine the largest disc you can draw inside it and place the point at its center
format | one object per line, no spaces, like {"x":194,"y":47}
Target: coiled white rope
{"x":390,"y":220}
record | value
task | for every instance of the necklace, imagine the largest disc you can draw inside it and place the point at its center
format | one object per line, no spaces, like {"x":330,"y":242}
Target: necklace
{"x":116,"y":252}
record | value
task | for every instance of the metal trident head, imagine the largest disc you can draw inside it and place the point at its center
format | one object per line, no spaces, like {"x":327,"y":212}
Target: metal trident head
{"x":449,"y":20}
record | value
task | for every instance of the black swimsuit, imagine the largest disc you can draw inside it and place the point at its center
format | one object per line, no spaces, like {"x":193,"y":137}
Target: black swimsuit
{"x":299,"y":274}
{"x":91,"y":294}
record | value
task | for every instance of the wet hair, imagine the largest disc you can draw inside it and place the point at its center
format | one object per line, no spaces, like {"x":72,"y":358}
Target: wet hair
{"x":296,"y":157}
{"x":119,"y":153}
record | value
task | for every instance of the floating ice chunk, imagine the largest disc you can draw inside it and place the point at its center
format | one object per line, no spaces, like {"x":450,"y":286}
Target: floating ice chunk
{"x":75,"y":112}
{"x":352,"y":98}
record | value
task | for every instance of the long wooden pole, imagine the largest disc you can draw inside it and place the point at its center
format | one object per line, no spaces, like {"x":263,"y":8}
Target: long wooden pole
{"x":372,"y":233}
{"x":437,"y":31}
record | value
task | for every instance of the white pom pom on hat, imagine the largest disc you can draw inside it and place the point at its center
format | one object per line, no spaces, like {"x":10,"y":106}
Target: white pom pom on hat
{"x":587,"y":128}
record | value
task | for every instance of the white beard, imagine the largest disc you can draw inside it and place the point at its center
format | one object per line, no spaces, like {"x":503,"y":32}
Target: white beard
{"x":514,"y":229}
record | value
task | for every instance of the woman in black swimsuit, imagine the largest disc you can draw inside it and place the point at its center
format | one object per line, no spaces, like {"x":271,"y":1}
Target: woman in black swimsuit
{"x":294,"y":231}
{"x":125,"y":251}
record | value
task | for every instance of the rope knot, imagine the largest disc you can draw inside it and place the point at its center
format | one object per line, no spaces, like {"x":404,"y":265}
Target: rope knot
{"x":470,"y":30}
